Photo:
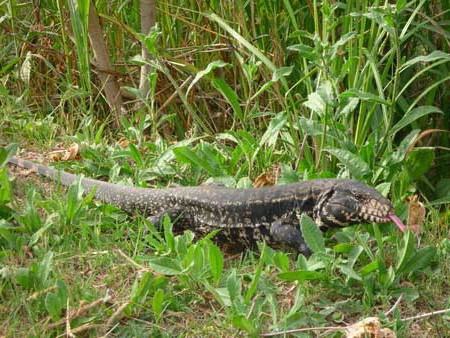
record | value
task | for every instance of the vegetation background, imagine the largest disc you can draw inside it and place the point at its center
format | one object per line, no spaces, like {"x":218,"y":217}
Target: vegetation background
{"x":236,"y":92}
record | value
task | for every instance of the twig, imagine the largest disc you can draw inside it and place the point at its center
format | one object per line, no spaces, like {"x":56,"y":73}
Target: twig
{"x":110,"y":330}
{"x":81,"y":328}
{"x":174,"y":94}
{"x":425,"y":315}
{"x":394,"y":306}
{"x":133,"y":262}
{"x":114,"y":317}
{"x":305,"y":329}
{"x":347,"y":328}
{"x":81,"y":310}
{"x":68,"y":330}
{"x":37,"y":294}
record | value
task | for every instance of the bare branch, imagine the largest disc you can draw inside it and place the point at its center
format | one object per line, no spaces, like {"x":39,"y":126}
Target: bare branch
{"x":101,"y":56}
{"x":148,"y":13}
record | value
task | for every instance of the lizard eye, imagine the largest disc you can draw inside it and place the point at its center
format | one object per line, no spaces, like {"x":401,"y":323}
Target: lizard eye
{"x":358,"y":196}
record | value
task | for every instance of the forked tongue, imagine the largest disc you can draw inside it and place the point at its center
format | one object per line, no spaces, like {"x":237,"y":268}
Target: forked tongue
{"x":397,"y":222}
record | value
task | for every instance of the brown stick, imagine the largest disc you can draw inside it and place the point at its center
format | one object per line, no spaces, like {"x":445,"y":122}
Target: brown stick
{"x":148,"y":13}
{"x":78,"y":312}
{"x":101,"y":56}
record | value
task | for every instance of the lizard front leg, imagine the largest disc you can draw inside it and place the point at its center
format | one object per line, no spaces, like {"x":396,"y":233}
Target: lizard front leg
{"x":285,"y":234}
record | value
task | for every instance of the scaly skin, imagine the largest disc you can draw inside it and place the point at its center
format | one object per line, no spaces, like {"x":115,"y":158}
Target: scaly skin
{"x":244,"y":215}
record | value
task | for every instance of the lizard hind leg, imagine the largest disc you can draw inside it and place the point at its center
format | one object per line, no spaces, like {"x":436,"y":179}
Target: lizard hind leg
{"x":175,"y":215}
{"x":287,"y":235}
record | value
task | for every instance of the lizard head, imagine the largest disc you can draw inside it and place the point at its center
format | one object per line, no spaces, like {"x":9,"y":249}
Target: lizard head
{"x":351,"y":202}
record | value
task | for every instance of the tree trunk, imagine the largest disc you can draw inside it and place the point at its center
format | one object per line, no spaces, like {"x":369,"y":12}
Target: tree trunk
{"x":148,"y":13}
{"x":103,"y":64}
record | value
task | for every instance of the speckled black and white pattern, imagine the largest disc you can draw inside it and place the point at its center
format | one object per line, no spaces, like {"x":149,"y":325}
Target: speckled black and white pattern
{"x":245,"y":215}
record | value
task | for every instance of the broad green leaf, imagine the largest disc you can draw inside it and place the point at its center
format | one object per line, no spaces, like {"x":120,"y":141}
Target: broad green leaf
{"x":350,"y":273}
{"x":364,"y":96}
{"x":209,"y":68}
{"x":407,"y":294}
{"x":315,"y":103}
{"x":413,"y":115}
{"x":53,"y":305}
{"x":150,"y":40}
{"x":234,"y":285}
{"x":141,"y":288}
{"x":419,"y":162}
{"x":367,"y":269}
{"x":312,"y":234}
{"x":354,"y":255}
{"x":313,"y":128}
{"x":305,"y":51}
{"x":186,"y":155}
{"x":165,"y":266}
{"x":56,"y":302}
{"x":254,"y":283}
{"x":281,"y":72}
{"x":433,"y":56}
{"x":74,"y":199}
{"x":355,"y":165}
{"x":400,"y":4}
{"x":349,"y":106}
{"x":404,"y":147}
{"x":136,"y":155}
{"x":281,"y":261}
{"x":271,"y":135}
{"x":157,"y":303}
{"x":310,"y":127}
{"x":41,"y":231}
{"x":168,"y":233}
{"x":343,"y":248}
{"x":45,"y":266}
{"x":241,"y":322}
{"x":216,"y":262}
{"x":162,"y":164}
{"x":224,"y":295}
{"x":229,"y":94}
{"x":384,"y":188}
{"x":302,"y":275}
{"x":344,"y":39}
{"x":199,"y":258}
{"x":325,"y":91}
{"x":443,"y":188}
{"x":419,"y":260}
{"x":439,"y":201}
{"x":5,"y":186}
{"x":6,"y":153}
{"x":407,"y":250}
{"x":135,"y":92}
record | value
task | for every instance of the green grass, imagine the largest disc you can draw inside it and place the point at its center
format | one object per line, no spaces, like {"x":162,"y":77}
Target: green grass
{"x":315,"y":89}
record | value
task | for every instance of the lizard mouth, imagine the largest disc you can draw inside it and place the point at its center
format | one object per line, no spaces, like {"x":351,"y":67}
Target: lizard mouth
{"x":386,"y":219}
{"x":377,"y":212}
{"x":397,"y":221}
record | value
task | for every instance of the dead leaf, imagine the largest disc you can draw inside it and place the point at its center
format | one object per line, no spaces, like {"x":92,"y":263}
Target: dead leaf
{"x":123,"y":143}
{"x":416,"y":214}
{"x":268,"y":178}
{"x":68,"y":154}
{"x":71,"y":153}
{"x":369,"y":327}
{"x":263,"y":180}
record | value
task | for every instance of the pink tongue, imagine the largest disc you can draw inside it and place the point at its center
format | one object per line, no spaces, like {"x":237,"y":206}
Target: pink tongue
{"x":397,"y":222}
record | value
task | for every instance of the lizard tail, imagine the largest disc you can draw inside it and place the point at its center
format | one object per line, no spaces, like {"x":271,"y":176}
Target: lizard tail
{"x":60,"y":176}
